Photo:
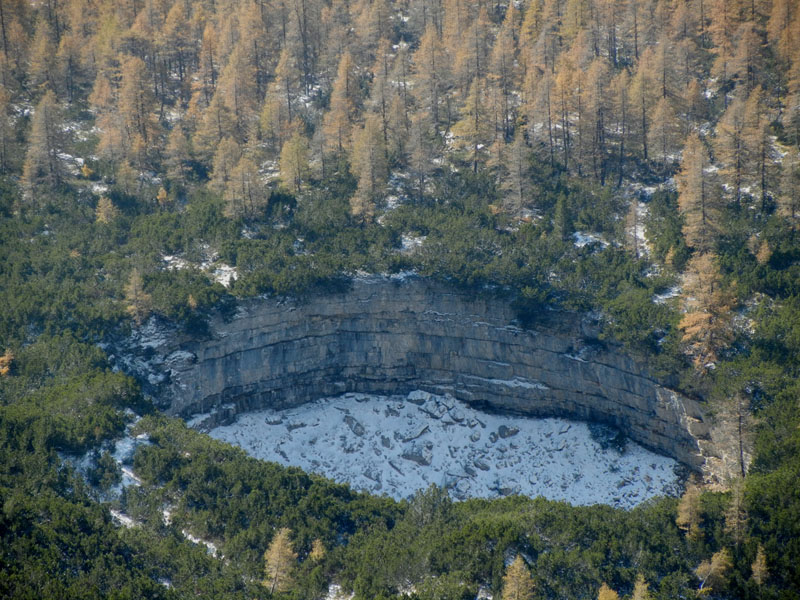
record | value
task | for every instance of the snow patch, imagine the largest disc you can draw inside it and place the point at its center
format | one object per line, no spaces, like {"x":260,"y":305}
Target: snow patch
{"x":396,"y":445}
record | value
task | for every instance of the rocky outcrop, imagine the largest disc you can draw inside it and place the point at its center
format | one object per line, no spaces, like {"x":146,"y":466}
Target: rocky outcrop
{"x":395,"y":335}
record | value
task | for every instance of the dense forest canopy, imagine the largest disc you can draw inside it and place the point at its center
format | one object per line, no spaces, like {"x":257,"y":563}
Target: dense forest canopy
{"x":161,"y":158}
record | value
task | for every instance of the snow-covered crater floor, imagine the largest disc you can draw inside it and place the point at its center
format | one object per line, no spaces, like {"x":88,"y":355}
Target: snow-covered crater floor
{"x":396,"y":445}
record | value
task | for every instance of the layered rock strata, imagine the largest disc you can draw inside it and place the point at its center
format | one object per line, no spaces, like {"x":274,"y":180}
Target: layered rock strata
{"x":394,"y":335}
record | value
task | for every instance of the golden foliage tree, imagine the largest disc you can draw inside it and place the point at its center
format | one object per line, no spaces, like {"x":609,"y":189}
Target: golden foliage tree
{"x":294,"y":161}
{"x":606,"y":593}
{"x":714,"y":573}
{"x":697,"y":198}
{"x":474,"y":129}
{"x":105,"y":212}
{"x":706,"y":324}
{"x":6,"y":362}
{"x":42,"y":162}
{"x":688,"y":518}
{"x":736,"y":513}
{"x":138,"y":302}
{"x":279,"y":561}
{"x":759,"y":569}
{"x":641,"y":590}
{"x":517,"y":582}
{"x":245,"y":191}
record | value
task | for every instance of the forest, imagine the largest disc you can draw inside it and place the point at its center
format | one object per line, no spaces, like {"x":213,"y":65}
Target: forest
{"x":163,"y":159}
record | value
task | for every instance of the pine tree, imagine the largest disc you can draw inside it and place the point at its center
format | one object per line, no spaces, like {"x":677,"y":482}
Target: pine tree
{"x":697,"y":200}
{"x":279,"y":561}
{"x":517,"y":582}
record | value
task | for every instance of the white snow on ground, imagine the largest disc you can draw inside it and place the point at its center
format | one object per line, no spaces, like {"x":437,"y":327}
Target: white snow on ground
{"x":582,"y":239}
{"x":220,"y":272}
{"x":397,"y":445}
{"x":410,"y":243}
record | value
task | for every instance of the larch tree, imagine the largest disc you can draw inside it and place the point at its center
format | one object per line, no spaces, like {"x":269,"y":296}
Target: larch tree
{"x":643,"y":93}
{"x":43,"y":166}
{"x":474,"y":130}
{"x":8,"y":140}
{"x":337,"y":123}
{"x":245,"y":192}
{"x":697,"y":199}
{"x":783,"y":28}
{"x":237,"y":86}
{"x":215,"y":125}
{"x":714,"y":573}
{"x":294,"y":161}
{"x":736,"y":516}
{"x":515,"y":179}
{"x":730,"y":148}
{"x":688,"y":518}
{"x":431,"y":73}
{"x":136,"y":105}
{"x":42,"y":61}
{"x":663,"y":132}
{"x":105,"y":211}
{"x":138,"y":303}
{"x":759,"y":570}
{"x":641,"y":590}
{"x":369,"y":166}
{"x":620,"y":109}
{"x":789,"y":190}
{"x":517,"y":582}
{"x":760,"y":168}
{"x":420,"y":151}
{"x":177,"y":156}
{"x":225,"y":159}
{"x":280,"y":560}
{"x":606,"y":593}
{"x":706,"y":322}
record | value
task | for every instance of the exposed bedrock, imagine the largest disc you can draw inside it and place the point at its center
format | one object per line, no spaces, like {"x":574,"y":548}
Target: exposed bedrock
{"x":392,"y":335}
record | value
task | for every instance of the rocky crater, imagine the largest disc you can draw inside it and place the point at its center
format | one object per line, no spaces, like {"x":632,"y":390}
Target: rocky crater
{"x":393,"y":335}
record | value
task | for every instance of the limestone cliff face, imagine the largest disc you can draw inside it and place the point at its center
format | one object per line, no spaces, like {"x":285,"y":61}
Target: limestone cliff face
{"x":390,"y":336}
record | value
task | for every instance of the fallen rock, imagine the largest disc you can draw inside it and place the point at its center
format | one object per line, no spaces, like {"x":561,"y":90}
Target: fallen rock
{"x":356,"y":427}
{"x":483,"y":466}
{"x":506,"y":432}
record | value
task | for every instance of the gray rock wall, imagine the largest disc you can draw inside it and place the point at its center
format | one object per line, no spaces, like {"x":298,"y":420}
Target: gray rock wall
{"x":391,"y":336}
